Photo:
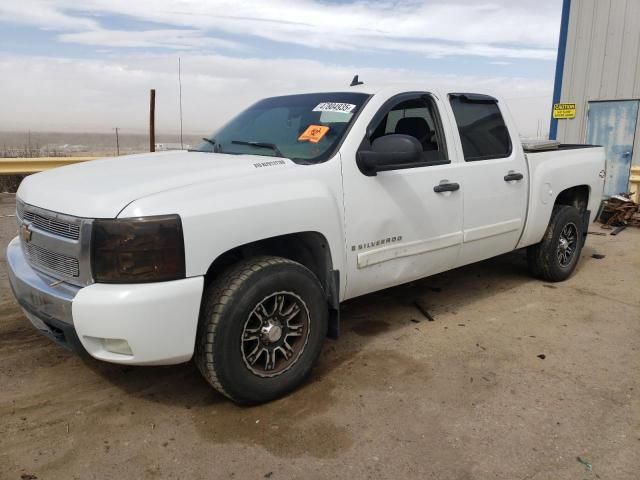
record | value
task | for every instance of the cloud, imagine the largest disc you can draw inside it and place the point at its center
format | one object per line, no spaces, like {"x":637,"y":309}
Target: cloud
{"x":43,"y":14}
{"x":96,"y":95}
{"x":166,"y":38}
{"x":509,"y":29}
{"x":227,"y":61}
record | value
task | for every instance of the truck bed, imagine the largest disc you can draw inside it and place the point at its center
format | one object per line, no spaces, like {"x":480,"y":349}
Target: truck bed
{"x":551,"y":172}
{"x":535,"y":146}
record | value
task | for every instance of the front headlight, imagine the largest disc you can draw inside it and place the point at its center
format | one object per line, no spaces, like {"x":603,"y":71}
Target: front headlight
{"x":136,"y":250}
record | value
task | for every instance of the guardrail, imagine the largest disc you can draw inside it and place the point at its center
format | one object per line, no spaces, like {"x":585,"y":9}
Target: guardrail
{"x":17,"y":166}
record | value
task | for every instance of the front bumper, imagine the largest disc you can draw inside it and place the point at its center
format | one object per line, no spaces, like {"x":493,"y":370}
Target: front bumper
{"x":158,"y":321}
{"x":47,"y":307}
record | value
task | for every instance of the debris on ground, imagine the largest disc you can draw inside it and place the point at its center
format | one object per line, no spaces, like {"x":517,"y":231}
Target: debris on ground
{"x":587,"y":465}
{"x":423,"y":310}
{"x":619,"y":211}
{"x":542,"y":356}
{"x":618,"y":229}
{"x":598,"y":256}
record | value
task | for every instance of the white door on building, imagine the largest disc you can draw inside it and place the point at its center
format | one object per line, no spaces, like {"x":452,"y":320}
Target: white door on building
{"x":613,"y":125}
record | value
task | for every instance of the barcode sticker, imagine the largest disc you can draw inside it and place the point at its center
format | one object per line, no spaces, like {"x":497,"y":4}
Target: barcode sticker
{"x":334,"y":107}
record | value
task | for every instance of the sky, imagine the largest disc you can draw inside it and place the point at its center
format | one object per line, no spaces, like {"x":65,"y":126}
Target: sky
{"x":88,"y":66}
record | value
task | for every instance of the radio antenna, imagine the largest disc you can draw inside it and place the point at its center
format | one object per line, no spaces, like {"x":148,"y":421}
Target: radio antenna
{"x":180,"y":99}
{"x":356,"y":81}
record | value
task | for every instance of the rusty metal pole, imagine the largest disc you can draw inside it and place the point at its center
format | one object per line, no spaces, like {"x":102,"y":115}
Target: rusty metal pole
{"x":152,"y":121}
{"x":117,"y":143}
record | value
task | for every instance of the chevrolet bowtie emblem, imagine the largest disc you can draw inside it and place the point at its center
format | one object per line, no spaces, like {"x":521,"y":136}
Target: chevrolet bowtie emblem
{"x":25,"y":232}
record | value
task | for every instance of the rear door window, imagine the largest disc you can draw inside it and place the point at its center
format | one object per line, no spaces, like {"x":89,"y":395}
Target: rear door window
{"x":483,"y":132}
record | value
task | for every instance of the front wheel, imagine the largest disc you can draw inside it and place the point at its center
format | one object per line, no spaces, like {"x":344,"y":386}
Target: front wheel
{"x":555,"y":258}
{"x":261,"y":329}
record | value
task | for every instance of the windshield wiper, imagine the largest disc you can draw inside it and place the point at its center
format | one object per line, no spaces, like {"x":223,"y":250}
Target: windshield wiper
{"x":270,"y":146}
{"x":216,"y":147}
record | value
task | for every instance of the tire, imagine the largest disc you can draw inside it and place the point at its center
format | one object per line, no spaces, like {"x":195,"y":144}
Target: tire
{"x":252,"y":346}
{"x":555,"y":258}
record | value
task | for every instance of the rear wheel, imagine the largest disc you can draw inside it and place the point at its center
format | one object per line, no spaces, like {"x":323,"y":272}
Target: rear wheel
{"x":555,"y":258}
{"x":261,"y":329}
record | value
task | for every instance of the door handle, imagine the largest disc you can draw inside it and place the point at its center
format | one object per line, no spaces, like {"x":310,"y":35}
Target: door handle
{"x":512,"y":176}
{"x":446,"y":187}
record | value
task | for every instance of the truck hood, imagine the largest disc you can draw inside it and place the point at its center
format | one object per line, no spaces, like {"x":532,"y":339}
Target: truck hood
{"x":102,"y":188}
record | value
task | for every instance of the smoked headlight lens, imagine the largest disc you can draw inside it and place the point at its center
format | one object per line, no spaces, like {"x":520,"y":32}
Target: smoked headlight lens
{"x":136,"y":250}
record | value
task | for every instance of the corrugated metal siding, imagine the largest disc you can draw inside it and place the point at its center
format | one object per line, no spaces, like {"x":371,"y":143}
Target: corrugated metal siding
{"x":636,"y":77}
{"x":602,"y":61}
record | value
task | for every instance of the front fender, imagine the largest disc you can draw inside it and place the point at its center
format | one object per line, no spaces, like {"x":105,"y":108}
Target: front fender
{"x":219,"y":216}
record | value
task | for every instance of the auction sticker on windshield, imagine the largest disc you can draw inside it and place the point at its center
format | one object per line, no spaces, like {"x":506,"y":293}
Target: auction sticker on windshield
{"x":334,"y":107}
{"x":314,"y":133}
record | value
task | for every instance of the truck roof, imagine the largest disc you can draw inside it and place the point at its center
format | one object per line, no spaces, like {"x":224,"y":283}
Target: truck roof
{"x":391,"y":90}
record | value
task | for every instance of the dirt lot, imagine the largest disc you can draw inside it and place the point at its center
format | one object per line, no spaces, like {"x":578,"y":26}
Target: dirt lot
{"x":514,"y":379}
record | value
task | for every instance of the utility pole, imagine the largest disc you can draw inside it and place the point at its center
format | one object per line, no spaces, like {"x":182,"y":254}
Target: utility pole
{"x":117,"y":143}
{"x":152,"y":121}
{"x":180,"y":95}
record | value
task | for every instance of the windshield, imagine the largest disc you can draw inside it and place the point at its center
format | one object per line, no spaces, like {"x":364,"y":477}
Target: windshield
{"x":303,"y":127}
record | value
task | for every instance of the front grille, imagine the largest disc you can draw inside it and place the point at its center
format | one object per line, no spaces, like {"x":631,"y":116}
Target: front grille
{"x":41,"y":257}
{"x":51,"y":224}
{"x":56,"y":243}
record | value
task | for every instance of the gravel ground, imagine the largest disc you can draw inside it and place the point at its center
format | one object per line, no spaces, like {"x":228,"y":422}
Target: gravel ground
{"x":513,"y":379}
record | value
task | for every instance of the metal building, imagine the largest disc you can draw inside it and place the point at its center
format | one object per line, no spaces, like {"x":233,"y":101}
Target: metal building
{"x":598,"y":70}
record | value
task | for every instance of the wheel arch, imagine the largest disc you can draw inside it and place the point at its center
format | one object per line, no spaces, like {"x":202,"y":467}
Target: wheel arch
{"x":309,"y":248}
{"x":577,"y":196}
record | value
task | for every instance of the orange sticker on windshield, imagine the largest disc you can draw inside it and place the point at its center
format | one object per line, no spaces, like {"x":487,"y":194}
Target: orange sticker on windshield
{"x":314,"y":133}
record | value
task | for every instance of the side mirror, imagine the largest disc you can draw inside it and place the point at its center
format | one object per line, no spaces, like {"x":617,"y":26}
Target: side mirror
{"x":389,"y":152}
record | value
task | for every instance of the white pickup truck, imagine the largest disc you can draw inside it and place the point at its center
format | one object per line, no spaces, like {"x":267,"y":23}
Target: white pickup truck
{"x":239,"y":253}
